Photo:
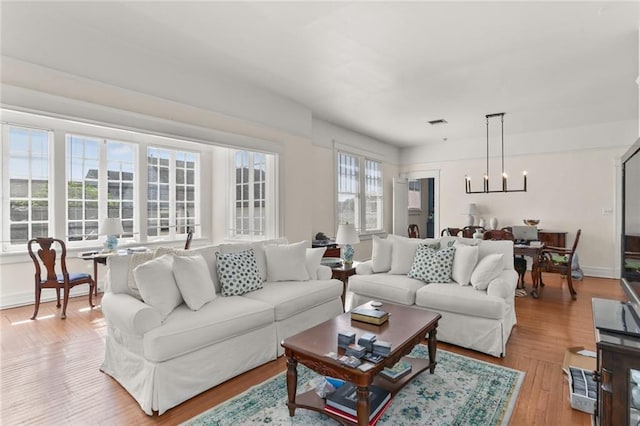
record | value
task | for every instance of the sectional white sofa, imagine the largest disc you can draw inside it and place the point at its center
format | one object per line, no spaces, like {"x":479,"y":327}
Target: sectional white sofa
{"x":478,"y":317}
{"x":164,"y":359}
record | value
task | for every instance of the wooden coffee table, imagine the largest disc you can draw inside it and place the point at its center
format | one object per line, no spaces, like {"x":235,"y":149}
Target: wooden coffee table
{"x":406,"y":328}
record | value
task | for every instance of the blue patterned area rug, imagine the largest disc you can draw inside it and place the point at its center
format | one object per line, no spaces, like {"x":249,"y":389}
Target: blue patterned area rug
{"x":462,"y":391}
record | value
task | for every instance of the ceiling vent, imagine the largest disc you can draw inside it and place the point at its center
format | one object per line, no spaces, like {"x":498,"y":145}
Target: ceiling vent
{"x":437,"y":122}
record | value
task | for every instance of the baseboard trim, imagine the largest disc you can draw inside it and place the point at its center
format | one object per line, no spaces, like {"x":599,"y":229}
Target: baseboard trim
{"x":48,"y":295}
{"x":599,"y":272}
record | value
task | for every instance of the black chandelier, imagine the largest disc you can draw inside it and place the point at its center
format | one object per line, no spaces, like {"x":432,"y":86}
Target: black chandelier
{"x":485,"y":189}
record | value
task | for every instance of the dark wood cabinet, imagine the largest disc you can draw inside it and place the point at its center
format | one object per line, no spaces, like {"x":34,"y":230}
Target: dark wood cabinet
{"x":552,"y":238}
{"x":618,"y":368}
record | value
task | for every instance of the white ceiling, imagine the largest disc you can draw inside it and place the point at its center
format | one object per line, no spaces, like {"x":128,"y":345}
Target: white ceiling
{"x":380,"y":68}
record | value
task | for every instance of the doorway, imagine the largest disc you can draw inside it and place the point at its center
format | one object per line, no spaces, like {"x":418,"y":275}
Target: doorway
{"x":421,"y":205}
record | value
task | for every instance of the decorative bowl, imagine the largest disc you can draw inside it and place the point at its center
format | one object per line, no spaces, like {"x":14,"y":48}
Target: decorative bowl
{"x":531,"y":222}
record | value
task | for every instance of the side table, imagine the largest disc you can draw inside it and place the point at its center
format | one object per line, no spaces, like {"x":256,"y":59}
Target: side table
{"x":343,"y":273}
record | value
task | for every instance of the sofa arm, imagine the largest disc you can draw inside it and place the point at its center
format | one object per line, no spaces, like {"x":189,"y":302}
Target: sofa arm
{"x":324,"y":272}
{"x":364,"y":268}
{"x":129,"y":314}
{"x":505,"y":285}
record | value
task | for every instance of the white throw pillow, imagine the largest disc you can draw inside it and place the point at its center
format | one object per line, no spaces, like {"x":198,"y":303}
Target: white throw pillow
{"x":287,"y":262}
{"x":194,"y":282}
{"x":381,"y":254}
{"x":403,"y":250}
{"x":486,"y":270}
{"x":137,"y":259}
{"x":238,"y":272}
{"x":314,"y":258}
{"x":157,"y":286}
{"x":464,"y":262}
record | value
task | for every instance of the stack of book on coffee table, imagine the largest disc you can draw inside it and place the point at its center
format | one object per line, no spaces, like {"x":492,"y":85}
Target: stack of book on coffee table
{"x":342,"y":402}
{"x":398,"y":371}
{"x":368,"y":315}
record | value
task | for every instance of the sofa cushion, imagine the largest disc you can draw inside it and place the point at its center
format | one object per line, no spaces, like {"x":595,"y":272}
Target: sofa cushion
{"x":464,"y":262}
{"x":393,"y":288}
{"x":136,"y":260}
{"x":238,"y":272}
{"x":403,"y":251}
{"x":209,"y":255}
{"x":487,"y":247}
{"x":488,"y":268}
{"x":192,"y":276}
{"x":286,"y":262}
{"x":223,"y":318}
{"x":292,"y":297}
{"x":157,"y":285}
{"x":313,"y":260}
{"x":463,"y":300}
{"x":432,"y":266}
{"x":380,"y":254}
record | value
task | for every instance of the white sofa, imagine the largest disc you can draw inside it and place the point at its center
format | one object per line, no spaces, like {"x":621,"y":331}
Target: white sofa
{"x":478,"y":319}
{"x":162,"y":363}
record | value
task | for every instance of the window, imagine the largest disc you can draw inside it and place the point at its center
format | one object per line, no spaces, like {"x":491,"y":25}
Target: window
{"x":253,"y":211}
{"x":100,"y":184}
{"x":28,"y":206}
{"x":415,"y":195}
{"x":172,"y":192}
{"x":350,"y":200}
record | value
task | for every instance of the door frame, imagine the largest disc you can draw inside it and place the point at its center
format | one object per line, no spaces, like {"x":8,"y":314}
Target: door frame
{"x":426,"y":174}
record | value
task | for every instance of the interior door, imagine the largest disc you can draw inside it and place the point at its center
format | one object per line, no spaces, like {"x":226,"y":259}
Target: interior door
{"x":400,"y":206}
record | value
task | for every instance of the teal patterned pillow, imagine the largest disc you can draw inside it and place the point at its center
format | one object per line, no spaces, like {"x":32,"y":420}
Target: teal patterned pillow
{"x":433,"y":266}
{"x":238,"y":272}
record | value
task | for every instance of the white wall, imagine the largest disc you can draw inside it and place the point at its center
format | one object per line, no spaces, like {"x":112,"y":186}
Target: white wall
{"x":566,"y":191}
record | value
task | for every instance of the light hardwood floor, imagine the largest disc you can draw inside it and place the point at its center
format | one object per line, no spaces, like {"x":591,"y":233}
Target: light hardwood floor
{"x":50,"y":373}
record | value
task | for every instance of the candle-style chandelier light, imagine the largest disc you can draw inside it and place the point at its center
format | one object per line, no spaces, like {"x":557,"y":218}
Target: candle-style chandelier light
{"x":485,"y":189}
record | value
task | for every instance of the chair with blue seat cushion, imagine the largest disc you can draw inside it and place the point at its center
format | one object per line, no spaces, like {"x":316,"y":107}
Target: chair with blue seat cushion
{"x":45,"y":263}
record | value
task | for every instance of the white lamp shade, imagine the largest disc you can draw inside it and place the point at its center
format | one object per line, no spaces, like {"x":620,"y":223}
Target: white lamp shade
{"x":112,"y":226}
{"x":347,"y":234}
{"x":472,"y":210}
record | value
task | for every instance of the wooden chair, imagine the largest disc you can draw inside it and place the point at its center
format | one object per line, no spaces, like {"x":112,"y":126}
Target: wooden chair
{"x":187,"y":243}
{"x":46,"y":262}
{"x":413,"y":231}
{"x":497,"y":234}
{"x":559,"y":260}
{"x":454,"y":232}
{"x":468,"y":231}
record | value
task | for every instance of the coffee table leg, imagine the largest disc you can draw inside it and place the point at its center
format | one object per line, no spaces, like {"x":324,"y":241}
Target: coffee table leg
{"x":362,"y":407}
{"x":432,"y":343}
{"x":292,"y":384}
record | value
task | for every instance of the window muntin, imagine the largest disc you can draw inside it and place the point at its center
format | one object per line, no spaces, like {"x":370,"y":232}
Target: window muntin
{"x":415,"y":195}
{"x":360,"y":195}
{"x":100,"y":184}
{"x":253,"y":201}
{"x":28,"y":206}
{"x":172,"y":192}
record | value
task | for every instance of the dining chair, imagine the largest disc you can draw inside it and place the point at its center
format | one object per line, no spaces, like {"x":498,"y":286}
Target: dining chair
{"x":48,"y":276}
{"x":413,"y":231}
{"x":468,"y":231}
{"x":559,"y":260}
{"x":454,"y":232}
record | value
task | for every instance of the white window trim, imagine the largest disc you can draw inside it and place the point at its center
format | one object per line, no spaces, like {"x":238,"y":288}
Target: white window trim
{"x":362,"y":155}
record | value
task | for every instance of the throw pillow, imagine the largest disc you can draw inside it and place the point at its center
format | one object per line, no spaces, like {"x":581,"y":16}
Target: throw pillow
{"x":287,"y":262}
{"x":403,"y":250}
{"x":137,"y":259}
{"x":488,"y":268}
{"x":194,"y":282}
{"x":258,"y":251}
{"x":432,"y":266}
{"x":157,"y":285}
{"x":238,"y":272}
{"x":464,"y":262}
{"x":314,"y":258}
{"x":380,"y":254}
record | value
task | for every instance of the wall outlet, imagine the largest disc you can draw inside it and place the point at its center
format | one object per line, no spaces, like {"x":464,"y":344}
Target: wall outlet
{"x":607,"y":212}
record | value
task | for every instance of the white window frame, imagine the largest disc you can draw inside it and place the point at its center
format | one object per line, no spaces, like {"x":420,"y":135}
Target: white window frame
{"x":411,"y":185}
{"x":268,"y":226}
{"x":359,"y":190}
{"x":5,"y":216}
{"x":173,"y":228}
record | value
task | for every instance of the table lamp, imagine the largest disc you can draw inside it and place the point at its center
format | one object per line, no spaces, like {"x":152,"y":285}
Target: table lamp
{"x":472,"y":210}
{"x":346,"y":236}
{"x":112,"y":228}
